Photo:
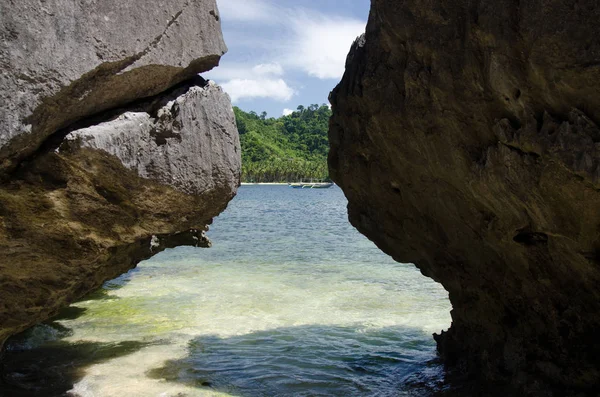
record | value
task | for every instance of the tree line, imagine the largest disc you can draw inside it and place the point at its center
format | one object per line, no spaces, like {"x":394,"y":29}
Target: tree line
{"x":287,"y":149}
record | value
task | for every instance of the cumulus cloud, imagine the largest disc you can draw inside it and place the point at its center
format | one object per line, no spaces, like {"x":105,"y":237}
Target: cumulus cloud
{"x":304,"y":39}
{"x":287,"y":112}
{"x":272,"y":46}
{"x":276,"y":89}
{"x":257,"y":81}
{"x":268,"y":69}
{"x":230,"y":71}
{"x":321,"y":44}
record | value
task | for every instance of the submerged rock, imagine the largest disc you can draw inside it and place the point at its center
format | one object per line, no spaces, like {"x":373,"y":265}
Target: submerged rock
{"x":465,"y":136}
{"x":111,"y":149}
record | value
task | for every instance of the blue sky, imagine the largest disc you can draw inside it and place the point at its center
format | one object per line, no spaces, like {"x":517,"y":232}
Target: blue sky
{"x":285,"y":53}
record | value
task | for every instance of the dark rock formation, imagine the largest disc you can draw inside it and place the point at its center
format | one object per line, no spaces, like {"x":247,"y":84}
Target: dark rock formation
{"x":111,"y":149}
{"x":465,"y":136}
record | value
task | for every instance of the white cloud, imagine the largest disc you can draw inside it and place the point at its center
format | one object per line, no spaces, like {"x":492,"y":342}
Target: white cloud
{"x":264,"y":80}
{"x":305,"y":40}
{"x":321,"y":44}
{"x":241,"y":71}
{"x":287,"y":112}
{"x":228,"y":72}
{"x":271,"y":45}
{"x":268,"y":69}
{"x":276,"y":89}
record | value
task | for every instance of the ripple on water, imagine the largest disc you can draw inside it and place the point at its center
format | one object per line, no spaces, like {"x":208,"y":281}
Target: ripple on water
{"x":314,"y":360}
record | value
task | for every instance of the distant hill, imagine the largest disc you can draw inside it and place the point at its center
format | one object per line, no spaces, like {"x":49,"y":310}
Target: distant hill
{"x":287,"y":149}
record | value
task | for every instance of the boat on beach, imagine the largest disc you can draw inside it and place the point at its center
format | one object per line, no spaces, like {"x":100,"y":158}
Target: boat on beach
{"x":311,"y":185}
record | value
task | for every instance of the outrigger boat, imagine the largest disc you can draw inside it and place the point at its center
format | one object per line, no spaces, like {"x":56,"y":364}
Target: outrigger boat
{"x":311,"y":185}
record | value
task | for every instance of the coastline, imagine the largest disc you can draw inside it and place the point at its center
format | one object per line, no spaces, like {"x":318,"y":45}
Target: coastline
{"x":264,"y":183}
{"x":269,"y":183}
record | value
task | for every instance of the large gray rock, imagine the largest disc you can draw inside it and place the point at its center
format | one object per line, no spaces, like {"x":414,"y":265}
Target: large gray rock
{"x":151,"y":152}
{"x":190,"y":140}
{"x":63,"y":60}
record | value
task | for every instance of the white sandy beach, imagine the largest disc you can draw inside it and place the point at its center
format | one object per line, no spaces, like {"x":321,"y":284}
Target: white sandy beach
{"x":265,"y":183}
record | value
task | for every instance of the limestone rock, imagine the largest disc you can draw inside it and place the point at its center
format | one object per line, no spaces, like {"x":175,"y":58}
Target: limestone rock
{"x":64,"y":60}
{"x":190,"y":141}
{"x":465,"y":136}
{"x":112,"y":149}
{"x":114,"y":193}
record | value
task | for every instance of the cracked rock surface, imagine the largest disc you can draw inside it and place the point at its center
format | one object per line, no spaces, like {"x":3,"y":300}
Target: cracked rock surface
{"x":190,"y":140}
{"x":64,"y":60}
{"x":466,"y":138}
{"x":111,"y":148}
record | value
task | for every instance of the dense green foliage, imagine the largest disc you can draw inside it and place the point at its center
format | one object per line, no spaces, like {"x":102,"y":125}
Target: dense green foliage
{"x":288,"y":149}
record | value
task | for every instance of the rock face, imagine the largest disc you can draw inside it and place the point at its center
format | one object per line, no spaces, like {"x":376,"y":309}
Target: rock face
{"x":111,"y":148}
{"x":465,"y":136}
{"x":64,"y":60}
{"x":187,"y":139}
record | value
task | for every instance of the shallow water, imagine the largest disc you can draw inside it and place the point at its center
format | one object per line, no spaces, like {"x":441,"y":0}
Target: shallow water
{"x":290,"y":301}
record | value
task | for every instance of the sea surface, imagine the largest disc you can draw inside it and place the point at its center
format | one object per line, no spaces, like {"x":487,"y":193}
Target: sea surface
{"x":290,"y":301}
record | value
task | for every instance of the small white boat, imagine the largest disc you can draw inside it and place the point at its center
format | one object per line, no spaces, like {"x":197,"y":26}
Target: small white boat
{"x":311,"y":185}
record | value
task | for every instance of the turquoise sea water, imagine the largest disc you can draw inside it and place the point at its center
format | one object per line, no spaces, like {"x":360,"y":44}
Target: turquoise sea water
{"x":290,"y":301}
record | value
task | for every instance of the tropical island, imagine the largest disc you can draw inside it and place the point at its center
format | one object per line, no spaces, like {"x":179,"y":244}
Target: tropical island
{"x":286,"y":149}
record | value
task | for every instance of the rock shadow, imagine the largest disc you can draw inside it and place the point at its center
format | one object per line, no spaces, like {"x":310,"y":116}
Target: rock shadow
{"x":38,"y":362}
{"x":51,"y":369}
{"x":311,"y":360}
